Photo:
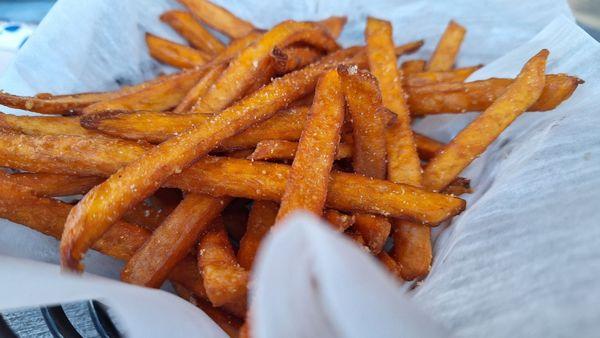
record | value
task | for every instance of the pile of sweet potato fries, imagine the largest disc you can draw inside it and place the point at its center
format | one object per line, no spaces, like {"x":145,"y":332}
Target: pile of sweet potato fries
{"x":184,"y":175}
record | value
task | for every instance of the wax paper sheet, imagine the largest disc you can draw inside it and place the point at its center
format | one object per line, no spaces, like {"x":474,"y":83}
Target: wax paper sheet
{"x":523,"y":260}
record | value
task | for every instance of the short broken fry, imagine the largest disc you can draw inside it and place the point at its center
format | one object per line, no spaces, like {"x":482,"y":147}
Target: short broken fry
{"x":340,"y":221}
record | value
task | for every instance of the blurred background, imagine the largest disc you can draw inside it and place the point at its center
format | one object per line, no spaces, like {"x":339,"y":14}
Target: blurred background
{"x":19,"y":18}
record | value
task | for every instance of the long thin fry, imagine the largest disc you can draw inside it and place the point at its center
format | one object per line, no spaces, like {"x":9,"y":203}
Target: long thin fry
{"x":286,"y":150}
{"x":184,"y":23}
{"x":61,"y":104}
{"x":479,"y":95}
{"x":413,"y":66}
{"x":262,"y":218}
{"x":45,"y":125}
{"x":426,"y":78}
{"x":404,"y":166}
{"x":369,"y":149}
{"x":198,"y":90}
{"x":225,"y":280}
{"x":53,"y":185}
{"x":20,"y":205}
{"x":175,"y":54}
{"x":172,"y":240}
{"x":158,"y":127}
{"x":109,"y":200}
{"x":445,"y":53}
{"x":479,"y":134}
{"x":218,"y":176}
{"x":242,"y":70}
{"x":306,"y":188}
{"x":218,"y":18}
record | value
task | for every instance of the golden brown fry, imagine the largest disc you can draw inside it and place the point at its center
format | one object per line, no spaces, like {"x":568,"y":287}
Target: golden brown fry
{"x":45,"y":125}
{"x":459,"y":186}
{"x":369,"y":150}
{"x":426,"y":146}
{"x":149,"y":213}
{"x":262,"y":218}
{"x":225,"y":280}
{"x":364,"y":104}
{"x":429,"y":77}
{"x":51,"y":104}
{"x":286,"y":150}
{"x":479,"y":95}
{"x":108,"y":201}
{"x":412,"y":66}
{"x":334,"y":25}
{"x":250,"y":63}
{"x":185,"y":106}
{"x":218,"y":176}
{"x":479,"y":134}
{"x":157,"y":127}
{"x":229,"y":323}
{"x":404,"y":165}
{"x":306,"y":188}
{"x":175,"y":54}
{"x":162,"y":95}
{"x":338,"y":220}
{"x":390,"y":264}
{"x":218,"y":18}
{"x":172,"y":240}
{"x":409,"y":48}
{"x":445,"y":53}
{"x":53,"y":185}
{"x":199,"y":37}
{"x":20,"y":205}
{"x":293,"y":58}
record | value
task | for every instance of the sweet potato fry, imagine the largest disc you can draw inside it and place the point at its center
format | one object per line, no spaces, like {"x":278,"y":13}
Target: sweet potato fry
{"x":218,"y":176}
{"x":445,"y":53}
{"x":479,"y":95}
{"x":479,"y":134}
{"x":54,"y":104}
{"x":162,"y":95}
{"x":429,"y":77}
{"x":229,"y":323}
{"x":426,"y":146}
{"x":293,"y":58}
{"x":412,"y":66}
{"x":157,"y":127}
{"x":109,"y":200}
{"x":338,"y":220}
{"x":175,"y":54}
{"x":306,"y":188}
{"x":364,"y":103}
{"x":334,"y":25}
{"x":149,"y":213}
{"x":53,"y":185}
{"x":218,"y":18}
{"x":20,"y":205}
{"x":286,"y":150}
{"x":363,"y":100}
{"x":409,"y":47}
{"x":243,"y":69}
{"x":45,"y":125}
{"x":199,"y":37}
{"x":262,"y":218}
{"x":172,"y":240}
{"x":390,"y":264}
{"x":185,"y":106}
{"x":404,"y":165}
{"x":225,"y":280}
{"x":459,"y":186}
